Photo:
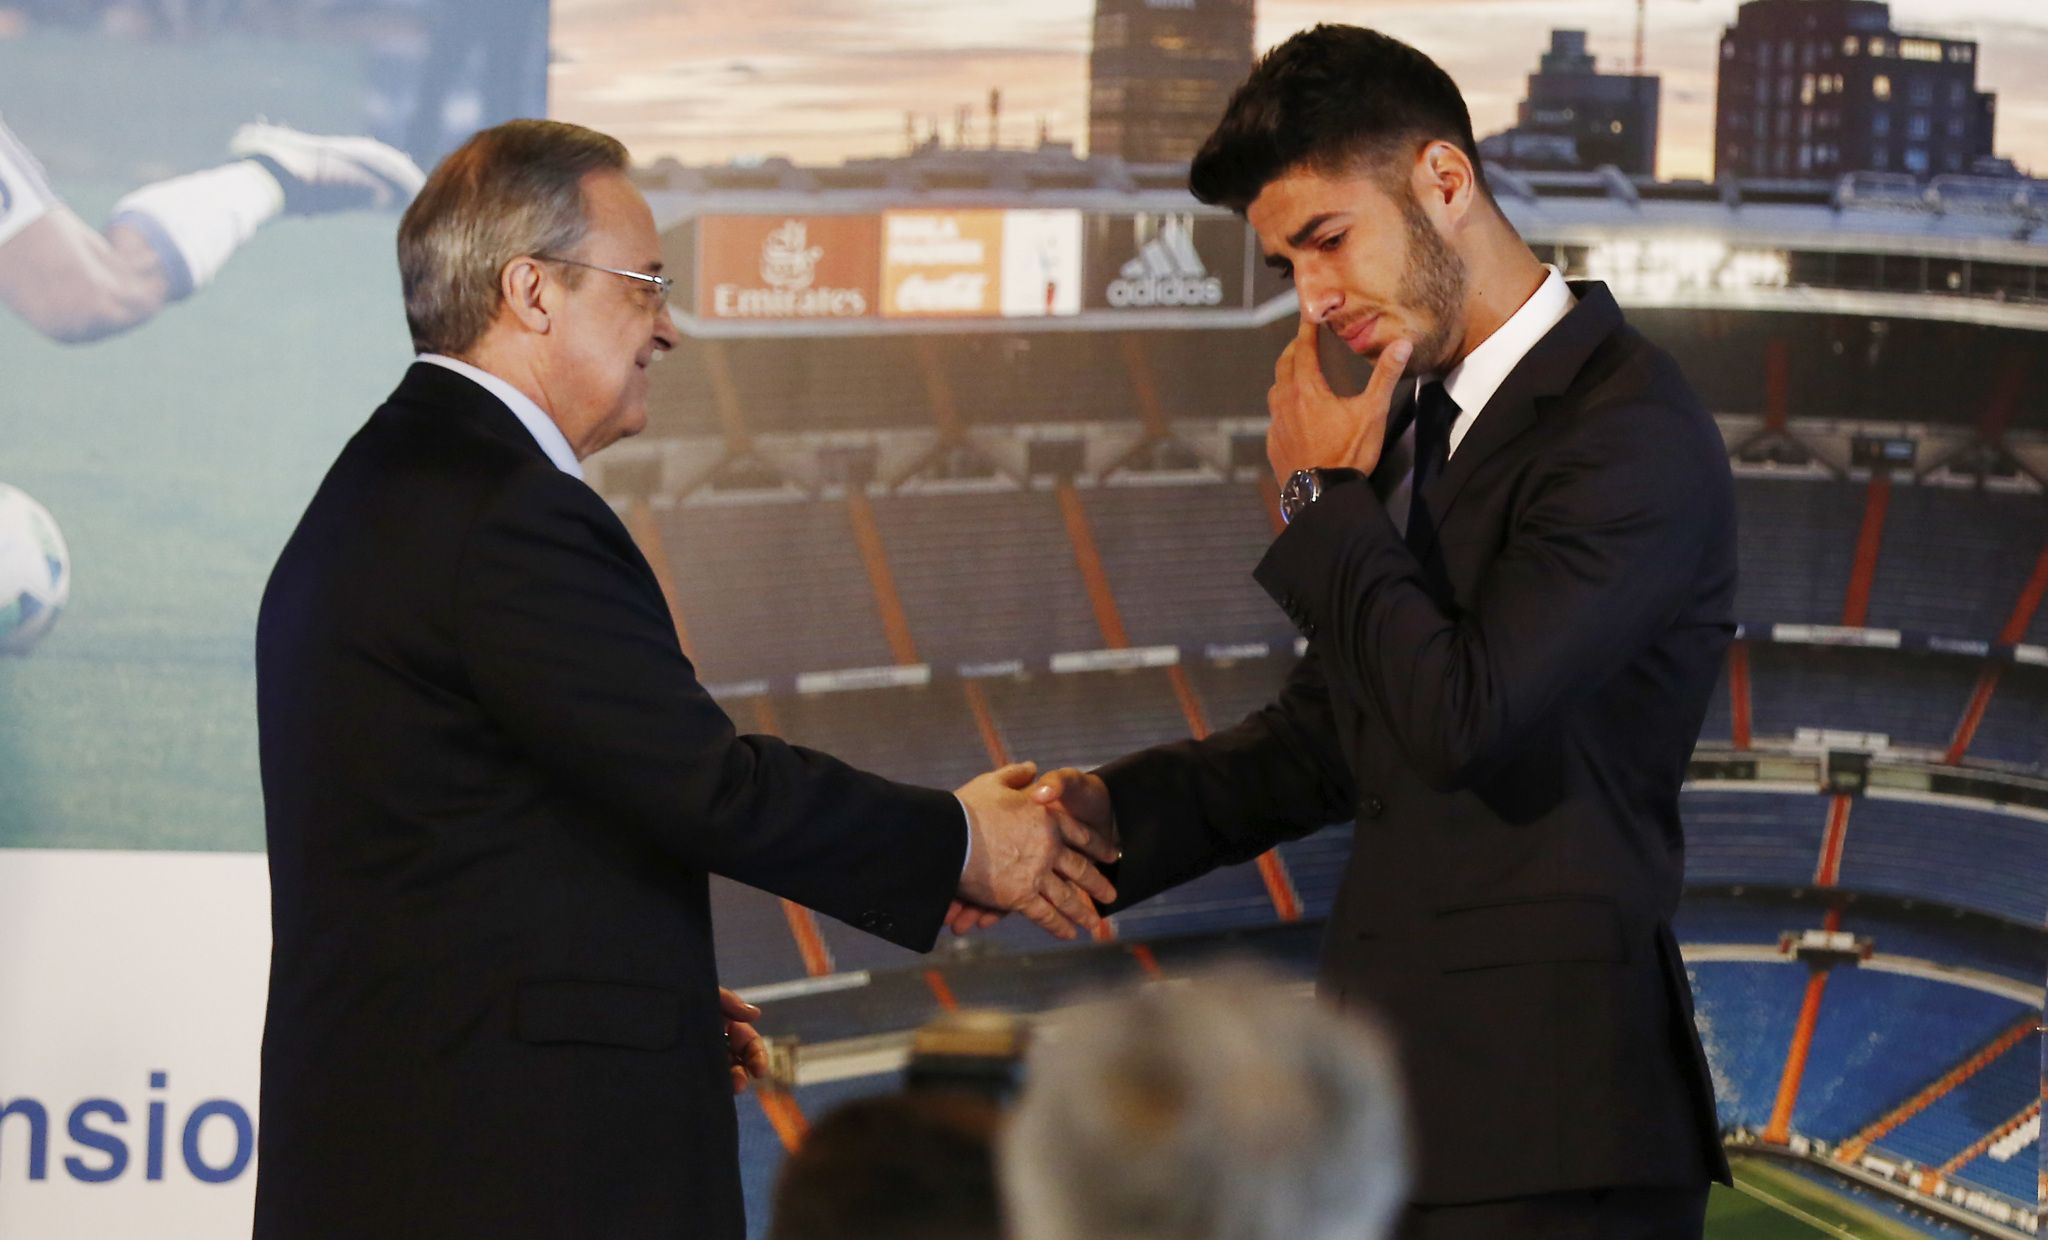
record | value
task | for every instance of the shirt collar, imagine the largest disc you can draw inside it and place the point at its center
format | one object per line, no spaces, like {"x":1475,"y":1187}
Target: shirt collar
{"x":1473,"y":381}
{"x":537,"y":423}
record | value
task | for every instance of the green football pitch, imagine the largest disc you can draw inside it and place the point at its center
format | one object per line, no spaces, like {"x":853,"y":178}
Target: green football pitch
{"x":177,"y":457}
{"x":1771,"y":1203}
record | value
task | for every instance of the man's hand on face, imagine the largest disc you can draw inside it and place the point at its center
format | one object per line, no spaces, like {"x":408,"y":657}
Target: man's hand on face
{"x":1312,"y":426}
{"x":1028,"y":859}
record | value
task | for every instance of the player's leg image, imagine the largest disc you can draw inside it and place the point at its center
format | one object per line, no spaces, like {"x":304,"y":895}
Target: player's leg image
{"x":169,"y":239}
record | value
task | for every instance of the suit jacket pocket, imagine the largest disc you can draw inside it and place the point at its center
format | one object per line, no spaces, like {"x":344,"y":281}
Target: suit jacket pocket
{"x":641,"y":1018}
{"x":1541,"y":931}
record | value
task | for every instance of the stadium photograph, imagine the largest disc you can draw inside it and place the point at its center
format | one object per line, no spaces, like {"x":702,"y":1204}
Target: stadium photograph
{"x":1137,"y":619}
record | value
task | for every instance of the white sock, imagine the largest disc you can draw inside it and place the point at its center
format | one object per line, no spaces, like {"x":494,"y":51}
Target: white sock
{"x":195,"y":222}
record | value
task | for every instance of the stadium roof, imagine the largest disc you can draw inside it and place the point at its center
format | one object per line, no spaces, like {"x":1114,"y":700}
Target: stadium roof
{"x":1887,"y":211}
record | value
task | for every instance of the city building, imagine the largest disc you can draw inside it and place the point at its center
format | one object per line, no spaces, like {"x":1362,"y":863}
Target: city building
{"x":1817,"y":88}
{"x":1160,"y":73}
{"x":1577,"y":117}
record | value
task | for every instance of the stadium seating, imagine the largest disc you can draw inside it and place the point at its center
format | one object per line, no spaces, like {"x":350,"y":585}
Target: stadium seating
{"x":751,"y":936}
{"x":1915,"y":700}
{"x":1209,"y":374}
{"x":827,"y":383}
{"x":1954,"y":562}
{"x":1745,"y":1014}
{"x":1852,"y":366}
{"x":1037,"y":377}
{"x":2015,"y":724}
{"x":1976,"y":1107}
{"x":1961,"y":857}
{"x":929,"y":735}
{"x":1764,"y":838}
{"x":1795,"y":540}
{"x":1711,"y":917}
{"x":984,"y":577}
{"x":681,"y":401}
{"x":1231,"y":690}
{"x":1180,"y":560}
{"x":770,"y":589}
{"x":1951,"y":939}
{"x":1882,"y":1037}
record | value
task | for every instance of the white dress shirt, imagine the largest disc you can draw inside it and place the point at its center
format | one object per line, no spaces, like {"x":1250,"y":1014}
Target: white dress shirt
{"x":1473,"y":381}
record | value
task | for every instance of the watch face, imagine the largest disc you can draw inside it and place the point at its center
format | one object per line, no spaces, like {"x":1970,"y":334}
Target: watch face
{"x":1299,"y":492}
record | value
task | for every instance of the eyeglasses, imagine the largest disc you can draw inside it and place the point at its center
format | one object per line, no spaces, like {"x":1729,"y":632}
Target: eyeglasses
{"x":661,"y":285}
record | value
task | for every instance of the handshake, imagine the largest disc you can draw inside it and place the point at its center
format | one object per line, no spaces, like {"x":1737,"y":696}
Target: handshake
{"x":1035,"y":846}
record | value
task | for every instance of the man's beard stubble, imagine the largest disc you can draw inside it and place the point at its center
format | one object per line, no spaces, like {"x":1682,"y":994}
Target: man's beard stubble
{"x":1432,"y":284}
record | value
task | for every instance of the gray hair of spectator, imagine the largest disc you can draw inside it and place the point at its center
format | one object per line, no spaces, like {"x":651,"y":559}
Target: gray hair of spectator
{"x":1226,"y":1108}
{"x":512,"y":190}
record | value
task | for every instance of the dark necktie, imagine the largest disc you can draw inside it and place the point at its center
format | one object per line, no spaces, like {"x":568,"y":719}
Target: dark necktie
{"x":1434,"y":413}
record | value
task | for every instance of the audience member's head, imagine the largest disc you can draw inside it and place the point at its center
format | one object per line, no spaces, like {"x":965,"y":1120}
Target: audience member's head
{"x":910,"y":1166}
{"x":1229,"y":1108}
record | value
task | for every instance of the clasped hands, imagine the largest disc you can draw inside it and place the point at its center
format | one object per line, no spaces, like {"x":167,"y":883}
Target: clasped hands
{"x":1035,"y":850}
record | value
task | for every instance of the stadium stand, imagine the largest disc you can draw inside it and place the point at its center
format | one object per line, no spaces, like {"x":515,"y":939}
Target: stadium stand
{"x":739,"y":567}
{"x":1853,"y":366}
{"x":962,"y":610}
{"x":1765,"y":838}
{"x":929,"y":737}
{"x":1954,"y":561}
{"x":1913,"y":699}
{"x":1208,"y":374}
{"x":1976,"y":1107}
{"x":1745,"y":1013}
{"x":1968,"y":857}
{"x":752,"y":937}
{"x":1795,"y":540}
{"x":1883,"y":1036}
{"x":682,"y":398}
{"x":1946,"y":937}
{"x":2015,"y":725}
{"x":1180,"y":558}
{"x":1036,"y":377}
{"x":1085,"y":719}
{"x":826,"y":383}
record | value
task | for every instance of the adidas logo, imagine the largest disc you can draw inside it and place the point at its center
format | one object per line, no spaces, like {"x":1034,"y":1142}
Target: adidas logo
{"x":1166,"y":272}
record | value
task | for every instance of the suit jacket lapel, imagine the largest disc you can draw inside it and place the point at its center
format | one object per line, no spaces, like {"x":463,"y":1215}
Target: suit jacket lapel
{"x":1545,"y":371}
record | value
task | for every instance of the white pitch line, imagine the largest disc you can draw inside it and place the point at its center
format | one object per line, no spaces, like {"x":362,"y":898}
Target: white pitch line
{"x":1795,"y":1211}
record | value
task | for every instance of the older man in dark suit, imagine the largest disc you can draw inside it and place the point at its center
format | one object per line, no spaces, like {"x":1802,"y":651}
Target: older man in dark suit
{"x":494,"y":787}
{"x":1516,"y":593}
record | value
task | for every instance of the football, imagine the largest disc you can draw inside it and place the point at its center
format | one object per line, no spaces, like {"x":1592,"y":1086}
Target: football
{"x":35,"y":572}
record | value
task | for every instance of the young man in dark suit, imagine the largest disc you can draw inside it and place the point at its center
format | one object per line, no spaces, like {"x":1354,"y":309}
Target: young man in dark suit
{"x":494,"y":788}
{"x":1513,"y":557}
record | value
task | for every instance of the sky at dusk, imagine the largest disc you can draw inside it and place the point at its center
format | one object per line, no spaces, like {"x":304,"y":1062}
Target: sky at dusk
{"x":819,"y":81}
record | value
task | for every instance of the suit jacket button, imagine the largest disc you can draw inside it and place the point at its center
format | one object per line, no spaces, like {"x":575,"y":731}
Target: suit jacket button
{"x":1308,"y":628}
{"x":1374,"y":807}
{"x":876,"y":923}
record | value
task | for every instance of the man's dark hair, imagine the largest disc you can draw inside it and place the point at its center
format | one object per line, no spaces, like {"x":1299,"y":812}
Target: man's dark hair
{"x":1333,"y":99}
{"x":914,"y":1166}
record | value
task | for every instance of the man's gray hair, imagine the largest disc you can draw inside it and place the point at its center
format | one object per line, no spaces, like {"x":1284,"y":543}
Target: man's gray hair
{"x":1227,"y":1108}
{"x":511,"y":190}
